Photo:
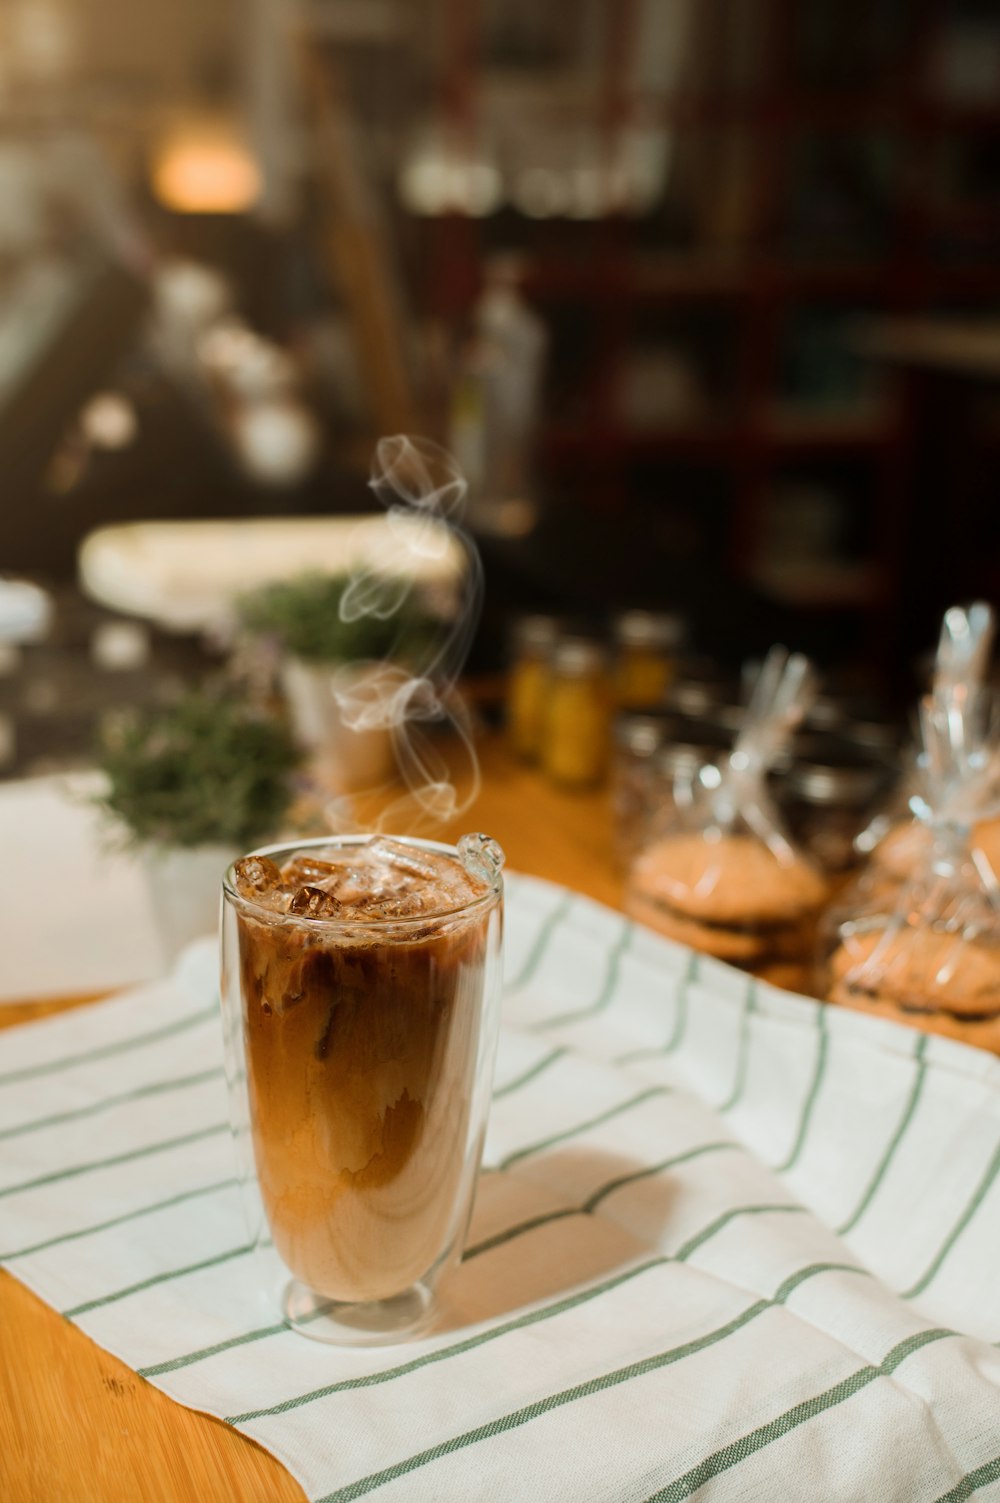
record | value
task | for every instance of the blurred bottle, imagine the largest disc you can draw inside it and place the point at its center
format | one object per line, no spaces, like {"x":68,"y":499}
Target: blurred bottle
{"x":646,"y":646}
{"x":497,"y":398}
{"x":577,"y":720}
{"x":534,"y":638}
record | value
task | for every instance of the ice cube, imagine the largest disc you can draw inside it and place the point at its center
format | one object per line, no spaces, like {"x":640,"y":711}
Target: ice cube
{"x":313,"y":902}
{"x":401,"y":857}
{"x":481,"y":857}
{"x":256,"y":877}
{"x":357,"y":884}
{"x":310,"y":869}
{"x":405,"y":905}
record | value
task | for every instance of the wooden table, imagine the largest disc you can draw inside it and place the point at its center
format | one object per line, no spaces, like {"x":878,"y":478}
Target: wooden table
{"x":75,"y":1423}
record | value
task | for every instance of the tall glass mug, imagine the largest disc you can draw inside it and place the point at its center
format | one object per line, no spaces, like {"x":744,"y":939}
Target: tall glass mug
{"x":360,"y":993}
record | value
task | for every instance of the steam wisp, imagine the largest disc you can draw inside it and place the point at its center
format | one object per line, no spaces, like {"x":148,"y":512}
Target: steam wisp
{"x":423,"y":491}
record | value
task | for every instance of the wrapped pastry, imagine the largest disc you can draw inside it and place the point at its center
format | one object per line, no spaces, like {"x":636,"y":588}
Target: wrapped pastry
{"x":960,"y":666}
{"x":721,"y":874}
{"x":927,"y":953}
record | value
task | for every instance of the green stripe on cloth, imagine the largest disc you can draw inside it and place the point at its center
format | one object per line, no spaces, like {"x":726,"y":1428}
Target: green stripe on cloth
{"x":117,"y":1158}
{"x":547,"y":1312}
{"x":513,"y":1421}
{"x":630,"y":1179}
{"x":742,"y":1048}
{"x":158,"y":1278}
{"x":176,"y":1363}
{"x":988,"y":1472}
{"x":536,"y":954}
{"x":679,"y":1025}
{"x":800,"y":1414}
{"x":572,"y":1132}
{"x":154,"y":1088}
{"x":681,"y":1010}
{"x":590,"y":1205}
{"x":106,"y":1051}
{"x":699,"y":1238}
{"x":819,"y":1070}
{"x":608,"y":986}
{"x":981,"y":1191}
{"x":103,"y":1226}
{"x":894,"y":1141}
{"x":510,"y":1233}
{"x":519,"y":1323}
{"x":497,"y":1240}
{"x":530,"y":1074}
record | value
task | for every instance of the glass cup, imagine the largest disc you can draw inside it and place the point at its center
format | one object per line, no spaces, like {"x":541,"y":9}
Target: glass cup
{"x":360,"y":1039}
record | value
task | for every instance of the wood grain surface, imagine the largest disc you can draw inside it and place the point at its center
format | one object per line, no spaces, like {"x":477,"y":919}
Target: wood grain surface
{"x":77,"y":1424}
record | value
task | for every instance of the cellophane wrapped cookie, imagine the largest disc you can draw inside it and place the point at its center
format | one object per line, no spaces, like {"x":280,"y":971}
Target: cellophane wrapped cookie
{"x":895,"y":841}
{"x":927,"y":953}
{"x":720,"y":873}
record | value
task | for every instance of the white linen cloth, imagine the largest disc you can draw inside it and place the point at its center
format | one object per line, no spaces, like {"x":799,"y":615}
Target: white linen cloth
{"x":78,"y":910}
{"x":728,"y":1244}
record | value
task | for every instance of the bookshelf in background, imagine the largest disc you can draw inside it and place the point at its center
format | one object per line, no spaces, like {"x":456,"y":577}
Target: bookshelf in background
{"x":787,"y":170}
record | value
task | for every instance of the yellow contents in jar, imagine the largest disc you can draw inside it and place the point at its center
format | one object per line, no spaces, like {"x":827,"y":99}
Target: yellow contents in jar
{"x":642,"y":678}
{"x":526,"y":695}
{"x":577,"y":731}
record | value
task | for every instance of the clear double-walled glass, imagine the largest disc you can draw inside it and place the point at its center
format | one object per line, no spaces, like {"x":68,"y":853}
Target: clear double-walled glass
{"x":360,"y":1061}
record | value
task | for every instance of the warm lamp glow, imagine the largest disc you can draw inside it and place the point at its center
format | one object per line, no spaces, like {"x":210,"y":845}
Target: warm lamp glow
{"x":205,"y":167}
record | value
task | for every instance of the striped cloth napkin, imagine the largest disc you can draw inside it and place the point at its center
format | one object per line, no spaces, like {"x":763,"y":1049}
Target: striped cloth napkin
{"x":727,"y":1244}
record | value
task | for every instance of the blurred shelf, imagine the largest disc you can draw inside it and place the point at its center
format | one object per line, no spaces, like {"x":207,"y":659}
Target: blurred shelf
{"x":866,"y":108}
{"x":812,"y":178}
{"x":571,"y":445}
{"x":702,"y":278}
{"x":971,"y":348}
{"x":826,"y":587}
{"x":804,"y":431}
{"x":781,"y":431}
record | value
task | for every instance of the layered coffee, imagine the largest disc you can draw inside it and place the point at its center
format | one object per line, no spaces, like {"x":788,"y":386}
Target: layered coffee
{"x":362,"y":971}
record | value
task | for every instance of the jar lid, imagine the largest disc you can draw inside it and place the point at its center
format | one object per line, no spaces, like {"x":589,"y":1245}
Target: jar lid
{"x":578,"y":657}
{"x":642,"y":734}
{"x":649,"y":629}
{"x":833,"y":770}
{"x":692,"y":744}
{"x":728,"y":718}
{"x":699,"y":691}
{"x":535,"y":633}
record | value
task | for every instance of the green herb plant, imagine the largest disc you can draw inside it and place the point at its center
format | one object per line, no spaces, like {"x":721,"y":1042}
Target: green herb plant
{"x":208,"y":770}
{"x":304,"y":615}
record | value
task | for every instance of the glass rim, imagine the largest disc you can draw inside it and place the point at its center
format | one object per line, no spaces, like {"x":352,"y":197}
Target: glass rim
{"x":323,"y":923}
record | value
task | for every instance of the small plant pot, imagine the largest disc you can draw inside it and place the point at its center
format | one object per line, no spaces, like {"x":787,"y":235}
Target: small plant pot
{"x":345,"y":758}
{"x":185,"y":889}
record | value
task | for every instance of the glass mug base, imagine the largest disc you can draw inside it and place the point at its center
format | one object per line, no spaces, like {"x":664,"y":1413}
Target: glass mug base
{"x":379,"y":1322}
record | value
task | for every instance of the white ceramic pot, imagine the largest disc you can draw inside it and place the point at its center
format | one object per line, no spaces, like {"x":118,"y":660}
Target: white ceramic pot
{"x":346,"y":758}
{"x":185,"y":889}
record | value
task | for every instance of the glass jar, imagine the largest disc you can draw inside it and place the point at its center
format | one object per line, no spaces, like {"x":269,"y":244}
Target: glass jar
{"x":577,"y":724}
{"x":534,"y":638}
{"x":636,"y":740}
{"x":828,"y":792}
{"x":646,"y":645}
{"x":691,"y":745}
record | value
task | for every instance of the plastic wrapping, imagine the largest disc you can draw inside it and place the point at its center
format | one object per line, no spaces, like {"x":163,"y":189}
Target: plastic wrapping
{"x":721,"y":874}
{"x":925,"y":949}
{"x":960,"y":667}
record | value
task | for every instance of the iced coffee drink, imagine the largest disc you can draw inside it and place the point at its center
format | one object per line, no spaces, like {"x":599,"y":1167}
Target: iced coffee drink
{"x":366,"y":974}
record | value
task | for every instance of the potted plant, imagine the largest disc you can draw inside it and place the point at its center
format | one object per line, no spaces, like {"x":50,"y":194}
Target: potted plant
{"x":194,"y":785}
{"x":329,"y":658}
